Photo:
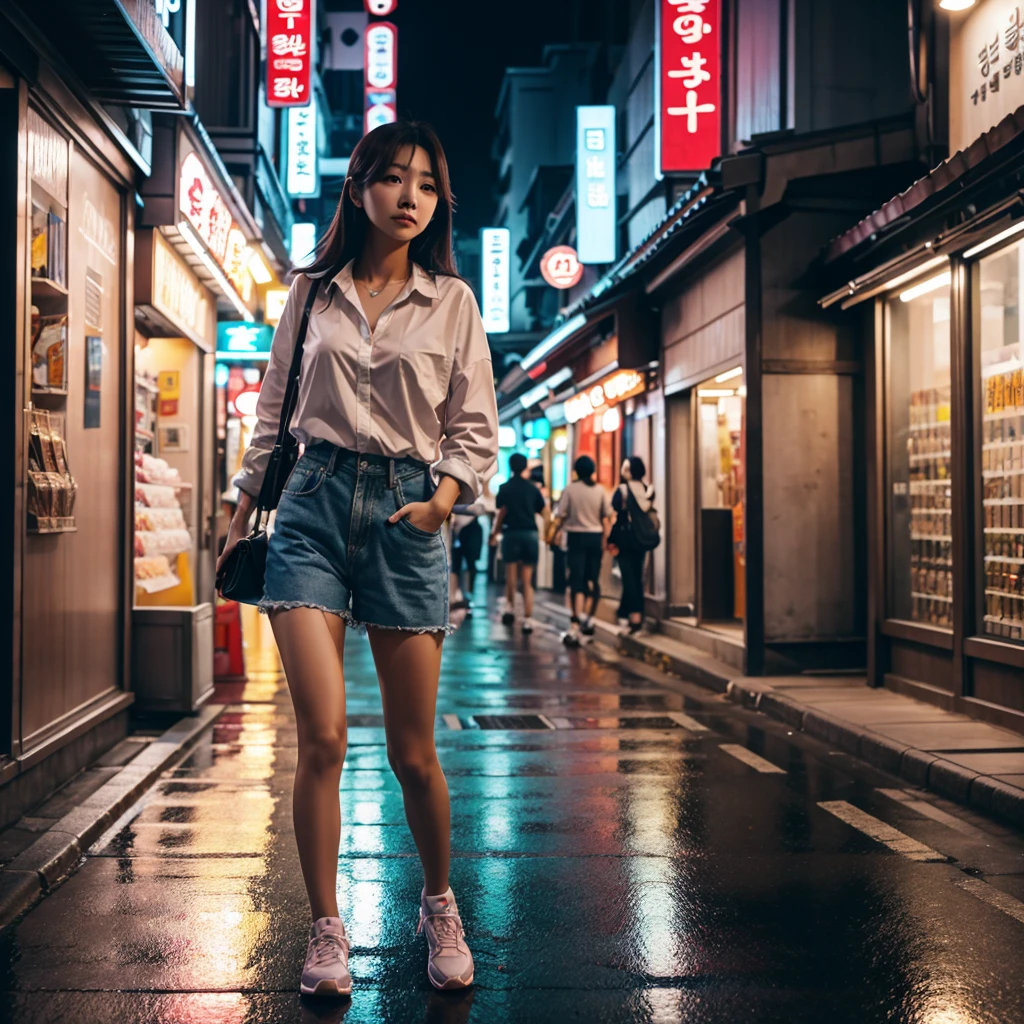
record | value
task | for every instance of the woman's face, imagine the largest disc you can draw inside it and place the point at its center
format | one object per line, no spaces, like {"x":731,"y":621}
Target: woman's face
{"x":403,"y":202}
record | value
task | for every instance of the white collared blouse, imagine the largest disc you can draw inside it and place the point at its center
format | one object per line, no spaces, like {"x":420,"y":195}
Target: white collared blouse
{"x":419,"y":385}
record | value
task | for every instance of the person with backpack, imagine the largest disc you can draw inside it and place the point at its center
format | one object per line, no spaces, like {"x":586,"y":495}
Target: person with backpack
{"x":636,"y":531}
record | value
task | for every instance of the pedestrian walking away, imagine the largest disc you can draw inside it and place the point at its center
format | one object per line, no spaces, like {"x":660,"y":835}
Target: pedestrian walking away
{"x":467,"y":544}
{"x":519,"y":502}
{"x":585,"y":515}
{"x":395,"y":378}
{"x":623,"y":543}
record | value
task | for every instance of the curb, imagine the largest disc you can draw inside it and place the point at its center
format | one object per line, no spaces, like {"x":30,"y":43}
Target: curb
{"x":923,"y":769}
{"x":45,"y":864}
{"x":919,"y":767}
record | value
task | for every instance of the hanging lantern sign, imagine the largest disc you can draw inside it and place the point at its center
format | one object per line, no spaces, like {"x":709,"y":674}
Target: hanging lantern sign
{"x":561,"y":267}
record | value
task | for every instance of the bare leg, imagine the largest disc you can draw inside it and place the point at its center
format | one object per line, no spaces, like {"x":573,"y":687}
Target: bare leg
{"x":408,"y":666}
{"x":510,"y":585}
{"x":527,"y":590}
{"x":312,"y":644}
{"x":577,"y":604}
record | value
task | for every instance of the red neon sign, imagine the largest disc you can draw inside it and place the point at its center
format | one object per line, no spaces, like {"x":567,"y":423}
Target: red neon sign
{"x":691,"y":84}
{"x":561,"y":267}
{"x":289,"y":52}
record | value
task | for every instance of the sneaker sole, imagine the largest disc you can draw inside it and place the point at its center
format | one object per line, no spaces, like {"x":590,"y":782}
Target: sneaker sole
{"x":326,"y":987}
{"x":449,"y":983}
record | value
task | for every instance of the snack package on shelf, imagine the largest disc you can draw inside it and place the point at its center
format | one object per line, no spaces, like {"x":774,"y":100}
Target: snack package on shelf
{"x":153,"y":574}
{"x":151,"y":470}
{"x":156,"y":496}
{"x":162,"y":542}
{"x":159,"y":519}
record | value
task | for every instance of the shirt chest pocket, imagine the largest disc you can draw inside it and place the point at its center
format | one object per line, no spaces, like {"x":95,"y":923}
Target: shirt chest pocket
{"x":425,"y":369}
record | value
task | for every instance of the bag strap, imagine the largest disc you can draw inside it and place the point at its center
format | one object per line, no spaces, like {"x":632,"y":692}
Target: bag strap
{"x":291,"y":397}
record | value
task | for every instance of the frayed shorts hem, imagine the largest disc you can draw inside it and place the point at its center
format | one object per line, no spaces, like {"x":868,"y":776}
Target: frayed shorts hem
{"x":266,"y":607}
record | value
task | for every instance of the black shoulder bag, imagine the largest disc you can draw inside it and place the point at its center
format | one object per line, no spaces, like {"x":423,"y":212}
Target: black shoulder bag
{"x":241,"y":576}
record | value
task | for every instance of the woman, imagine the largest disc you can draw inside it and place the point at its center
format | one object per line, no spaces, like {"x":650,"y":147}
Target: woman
{"x":396,"y":374}
{"x":623,"y":545}
{"x":584,"y":513}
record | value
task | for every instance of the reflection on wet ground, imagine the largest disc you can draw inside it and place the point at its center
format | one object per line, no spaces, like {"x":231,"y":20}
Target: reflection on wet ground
{"x":612,"y":865}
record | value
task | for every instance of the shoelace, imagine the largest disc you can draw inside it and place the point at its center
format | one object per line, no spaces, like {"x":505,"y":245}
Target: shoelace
{"x":326,"y":947}
{"x":446,"y":929}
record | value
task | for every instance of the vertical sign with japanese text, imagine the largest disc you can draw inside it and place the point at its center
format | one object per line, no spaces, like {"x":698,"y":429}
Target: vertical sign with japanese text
{"x":289,"y":52}
{"x":301,"y":177}
{"x":381,"y":62}
{"x":495,"y":256}
{"x":689,"y":85}
{"x":595,"y":184}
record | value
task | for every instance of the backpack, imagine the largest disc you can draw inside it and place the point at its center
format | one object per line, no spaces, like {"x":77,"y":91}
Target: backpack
{"x":644,"y":526}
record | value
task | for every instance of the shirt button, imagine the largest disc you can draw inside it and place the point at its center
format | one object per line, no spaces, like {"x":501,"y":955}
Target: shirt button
{"x":364,"y":465}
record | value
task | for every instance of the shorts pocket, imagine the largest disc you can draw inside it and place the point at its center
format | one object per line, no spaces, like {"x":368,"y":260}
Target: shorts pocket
{"x":400,"y":500}
{"x":305,"y":479}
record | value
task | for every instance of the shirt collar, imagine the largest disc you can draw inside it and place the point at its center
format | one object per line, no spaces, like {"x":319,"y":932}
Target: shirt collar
{"x":420,"y":281}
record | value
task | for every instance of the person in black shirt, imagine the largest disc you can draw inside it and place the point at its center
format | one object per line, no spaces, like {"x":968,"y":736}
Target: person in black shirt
{"x":518,"y":502}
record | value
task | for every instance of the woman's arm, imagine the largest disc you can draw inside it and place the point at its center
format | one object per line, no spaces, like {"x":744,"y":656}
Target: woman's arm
{"x":249,"y":479}
{"x":469,"y":447}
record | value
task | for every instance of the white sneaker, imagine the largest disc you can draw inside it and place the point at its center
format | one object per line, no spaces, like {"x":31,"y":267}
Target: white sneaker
{"x":527,"y":626}
{"x":449,"y":961}
{"x":325,"y":972}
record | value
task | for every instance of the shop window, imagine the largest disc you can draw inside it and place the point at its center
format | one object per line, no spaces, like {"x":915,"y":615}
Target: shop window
{"x":920,"y":542}
{"x":721,"y":408}
{"x":1002,"y":444}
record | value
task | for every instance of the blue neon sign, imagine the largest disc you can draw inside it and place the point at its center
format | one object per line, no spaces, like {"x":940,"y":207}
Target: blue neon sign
{"x":595,"y":184}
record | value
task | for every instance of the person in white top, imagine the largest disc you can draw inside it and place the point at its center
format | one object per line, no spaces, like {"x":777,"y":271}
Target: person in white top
{"x":585,"y":515}
{"x":397,"y":412}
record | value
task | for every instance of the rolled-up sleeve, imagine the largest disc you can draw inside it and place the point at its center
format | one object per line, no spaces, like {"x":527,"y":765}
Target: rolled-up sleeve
{"x":469,"y":446}
{"x":275,"y":381}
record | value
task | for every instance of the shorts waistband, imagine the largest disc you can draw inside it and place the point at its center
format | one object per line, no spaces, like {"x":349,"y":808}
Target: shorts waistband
{"x":332,"y":456}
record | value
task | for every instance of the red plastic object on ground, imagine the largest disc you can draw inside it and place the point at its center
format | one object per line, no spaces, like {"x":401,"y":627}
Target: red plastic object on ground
{"x":228,"y":658}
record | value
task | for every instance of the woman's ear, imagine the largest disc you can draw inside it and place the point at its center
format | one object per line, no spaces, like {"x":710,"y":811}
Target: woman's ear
{"x":354,"y":194}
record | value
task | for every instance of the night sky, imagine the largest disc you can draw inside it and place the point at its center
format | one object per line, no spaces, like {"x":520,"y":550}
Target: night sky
{"x":451,"y":58}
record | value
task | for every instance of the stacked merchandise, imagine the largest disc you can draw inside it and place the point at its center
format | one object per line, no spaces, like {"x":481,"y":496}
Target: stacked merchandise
{"x":49,"y":246}
{"x":931,"y":512}
{"x":49,"y":352}
{"x":51,"y":487}
{"x":1002,"y":464}
{"x":161,"y":532}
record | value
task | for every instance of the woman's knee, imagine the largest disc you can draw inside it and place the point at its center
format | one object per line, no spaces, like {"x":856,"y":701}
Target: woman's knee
{"x":323,"y":749}
{"x":414,"y":769}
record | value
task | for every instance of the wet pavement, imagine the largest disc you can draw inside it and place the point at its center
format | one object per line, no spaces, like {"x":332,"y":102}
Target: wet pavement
{"x":623,"y":851}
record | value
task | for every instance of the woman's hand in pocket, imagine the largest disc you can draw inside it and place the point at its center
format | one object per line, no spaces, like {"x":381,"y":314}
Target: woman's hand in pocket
{"x":424,"y":515}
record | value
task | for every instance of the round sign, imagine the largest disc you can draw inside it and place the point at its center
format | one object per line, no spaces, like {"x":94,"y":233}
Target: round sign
{"x":381,"y":7}
{"x":561,"y":267}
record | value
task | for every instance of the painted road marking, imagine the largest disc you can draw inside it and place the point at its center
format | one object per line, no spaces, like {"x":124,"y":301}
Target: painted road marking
{"x":561,"y":723}
{"x":926,"y":809}
{"x":452,"y":721}
{"x":994,"y":897}
{"x":687,"y":722}
{"x":748,"y":757}
{"x":880,"y":831}
{"x":547,"y":721}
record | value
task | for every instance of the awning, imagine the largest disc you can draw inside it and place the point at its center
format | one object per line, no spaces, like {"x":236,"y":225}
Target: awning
{"x":118,"y":48}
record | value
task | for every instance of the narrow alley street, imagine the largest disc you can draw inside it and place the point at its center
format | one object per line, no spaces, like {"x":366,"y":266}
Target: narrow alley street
{"x":623,"y":851}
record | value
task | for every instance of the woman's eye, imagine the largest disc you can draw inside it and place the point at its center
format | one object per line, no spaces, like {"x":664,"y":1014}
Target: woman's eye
{"x":429,"y":188}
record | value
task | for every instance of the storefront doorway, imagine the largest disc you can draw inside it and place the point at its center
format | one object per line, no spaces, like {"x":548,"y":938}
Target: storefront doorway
{"x":721,"y":592}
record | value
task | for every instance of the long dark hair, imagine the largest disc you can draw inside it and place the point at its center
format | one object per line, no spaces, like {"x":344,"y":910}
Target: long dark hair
{"x":374,"y":154}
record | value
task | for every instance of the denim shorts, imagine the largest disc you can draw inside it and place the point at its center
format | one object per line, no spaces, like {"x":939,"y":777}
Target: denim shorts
{"x":520,"y":546}
{"x":333,"y":548}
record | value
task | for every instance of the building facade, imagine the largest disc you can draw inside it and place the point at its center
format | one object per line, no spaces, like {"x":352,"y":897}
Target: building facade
{"x":141,"y":208}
